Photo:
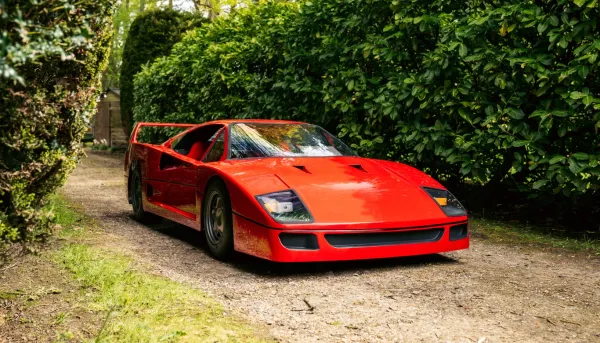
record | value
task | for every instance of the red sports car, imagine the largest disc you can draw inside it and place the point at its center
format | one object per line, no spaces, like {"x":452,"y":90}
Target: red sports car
{"x":289,"y":192}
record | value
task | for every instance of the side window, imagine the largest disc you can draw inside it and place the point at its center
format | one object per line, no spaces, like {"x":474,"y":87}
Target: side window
{"x":217,"y":150}
{"x":194,"y":143}
{"x":183,"y":144}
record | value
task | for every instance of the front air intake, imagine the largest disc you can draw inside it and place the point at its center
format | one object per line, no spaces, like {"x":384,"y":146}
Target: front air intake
{"x":459,"y":232}
{"x":384,"y":238}
{"x":299,"y":241}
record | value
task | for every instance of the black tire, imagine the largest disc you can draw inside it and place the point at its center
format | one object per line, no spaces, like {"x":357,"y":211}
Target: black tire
{"x":135,"y":191}
{"x":217,"y":221}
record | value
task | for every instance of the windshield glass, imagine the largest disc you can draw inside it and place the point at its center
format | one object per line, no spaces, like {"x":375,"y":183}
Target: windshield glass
{"x":284,"y":140}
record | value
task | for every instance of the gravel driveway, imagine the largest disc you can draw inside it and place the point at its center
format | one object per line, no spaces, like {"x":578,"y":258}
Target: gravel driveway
{"x":490,"y":293}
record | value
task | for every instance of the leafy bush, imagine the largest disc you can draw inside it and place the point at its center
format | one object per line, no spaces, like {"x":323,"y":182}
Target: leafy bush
{"x":219,"y":70}
{"x":151,"y":35}
{"x":51,"y":56}
{"x":481,"y":92}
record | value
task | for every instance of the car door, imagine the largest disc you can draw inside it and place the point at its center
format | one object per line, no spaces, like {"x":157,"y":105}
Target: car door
{"x":178,"y":168}
{"x":179,"y":176}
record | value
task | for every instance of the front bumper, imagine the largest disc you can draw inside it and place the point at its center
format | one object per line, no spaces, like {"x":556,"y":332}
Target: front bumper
{"x":343,"y":245}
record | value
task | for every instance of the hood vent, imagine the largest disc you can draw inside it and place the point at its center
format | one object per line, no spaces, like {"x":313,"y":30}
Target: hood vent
{"x":303,"y":168}
{"x":357,"y":166}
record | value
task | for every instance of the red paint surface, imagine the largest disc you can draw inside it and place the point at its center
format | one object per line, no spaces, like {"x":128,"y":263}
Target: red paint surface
{"x":375,"y":197}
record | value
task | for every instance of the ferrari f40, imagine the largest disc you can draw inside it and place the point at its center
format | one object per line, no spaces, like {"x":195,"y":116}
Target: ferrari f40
{"x":287,"y":191}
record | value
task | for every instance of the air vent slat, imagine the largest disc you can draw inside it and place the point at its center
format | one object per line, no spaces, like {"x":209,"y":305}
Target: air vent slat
{"x":303,"y":168}
{"x":357,"y":166}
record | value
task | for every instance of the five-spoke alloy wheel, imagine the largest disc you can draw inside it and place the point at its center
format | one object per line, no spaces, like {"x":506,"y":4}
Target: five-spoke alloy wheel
{"x":217,"y":220}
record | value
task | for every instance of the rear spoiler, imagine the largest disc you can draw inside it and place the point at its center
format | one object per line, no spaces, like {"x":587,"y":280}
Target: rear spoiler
{"x":138,"y":126}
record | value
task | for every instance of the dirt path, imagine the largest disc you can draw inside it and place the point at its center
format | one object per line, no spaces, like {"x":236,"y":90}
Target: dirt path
{"x":500,"y":293}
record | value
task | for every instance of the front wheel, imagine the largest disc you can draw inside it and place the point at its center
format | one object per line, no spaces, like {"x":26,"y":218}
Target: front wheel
{"x":217,"y":220}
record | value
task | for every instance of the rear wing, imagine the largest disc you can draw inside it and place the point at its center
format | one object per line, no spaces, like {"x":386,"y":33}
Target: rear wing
{"x":157,"y":133}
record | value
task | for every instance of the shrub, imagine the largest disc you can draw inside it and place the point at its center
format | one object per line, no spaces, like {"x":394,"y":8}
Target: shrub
{"x":51,"y":57}
{"x":235,"y":64}
{"x":480,"y":93}
{"x":151,"y":35}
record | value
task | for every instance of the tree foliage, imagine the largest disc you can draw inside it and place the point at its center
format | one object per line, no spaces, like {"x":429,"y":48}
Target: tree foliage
{"x":51,"y":56}
{"x":477,"y":92}
{"x":152,"y":34}
{"x":124,"y":14}
{"x":233,"y":64}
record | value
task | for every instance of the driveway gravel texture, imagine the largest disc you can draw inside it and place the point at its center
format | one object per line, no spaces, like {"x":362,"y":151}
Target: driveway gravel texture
{"x":488,"y":293}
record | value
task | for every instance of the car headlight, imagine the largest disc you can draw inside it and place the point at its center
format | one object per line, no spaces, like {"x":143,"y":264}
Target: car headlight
{"x":285,"y":207}
{"x":447,"y":202}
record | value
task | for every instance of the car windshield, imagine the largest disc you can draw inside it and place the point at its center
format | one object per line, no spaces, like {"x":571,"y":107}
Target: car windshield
{"x":284,"y":140}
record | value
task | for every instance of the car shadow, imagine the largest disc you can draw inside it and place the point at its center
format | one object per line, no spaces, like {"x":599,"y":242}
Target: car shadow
{"x":274,"y":269}
{"x":251,"y":264}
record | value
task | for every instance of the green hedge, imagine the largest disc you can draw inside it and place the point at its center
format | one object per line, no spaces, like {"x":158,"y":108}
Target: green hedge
{"x":218,"y":71}
{"x":151,"y":35}
{"x":51,"y":56}
{"x":480,"y":92}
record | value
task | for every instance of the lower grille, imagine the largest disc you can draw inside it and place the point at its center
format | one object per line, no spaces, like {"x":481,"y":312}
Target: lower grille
{"x":459,"y":232}
{"x":299,"y":241}
{"x":384,"y":238}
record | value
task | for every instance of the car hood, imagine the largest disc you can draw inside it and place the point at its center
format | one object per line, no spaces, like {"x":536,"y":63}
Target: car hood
{"x":349,"y":190}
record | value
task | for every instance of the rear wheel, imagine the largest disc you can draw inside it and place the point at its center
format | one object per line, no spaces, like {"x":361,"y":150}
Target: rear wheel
{"x":137,"y":197}
{"x":217,"y":220}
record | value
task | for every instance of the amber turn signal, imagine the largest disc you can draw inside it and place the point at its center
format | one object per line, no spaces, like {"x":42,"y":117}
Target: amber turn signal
{"x":441,"y":201}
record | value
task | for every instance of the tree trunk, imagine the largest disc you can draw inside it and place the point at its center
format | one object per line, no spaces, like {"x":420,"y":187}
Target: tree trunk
{"x":208,"y":5}
{"x":211,"y":10}
{"x":171,"y":4}
{"x":142,"y":5}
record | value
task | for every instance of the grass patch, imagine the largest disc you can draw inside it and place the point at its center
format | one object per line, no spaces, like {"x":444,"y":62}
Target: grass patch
{"x":146,"y":308}
{"x":508,"y":233}
{"x":70,"y":219}
{"x":65,"y":214}
{"x":138,"y":306}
